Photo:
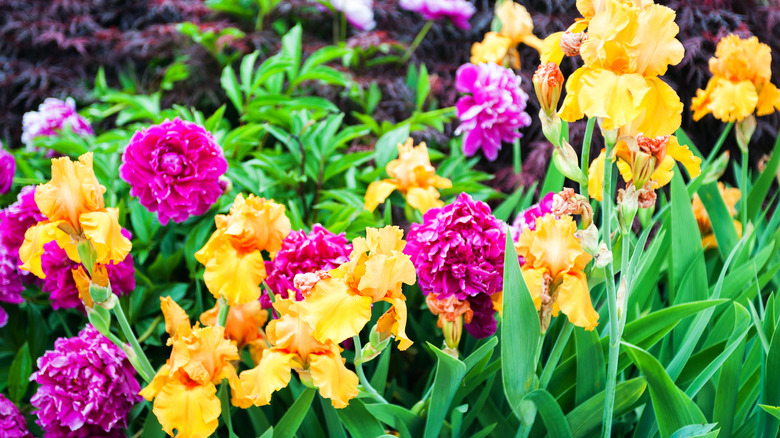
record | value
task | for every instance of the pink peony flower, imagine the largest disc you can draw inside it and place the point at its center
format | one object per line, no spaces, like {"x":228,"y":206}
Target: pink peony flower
{"x":86,"y":387}
{"x":458,"y":251}
{"x":493,"y":111}
{"x":17,"y":218}
{"x":359,"y":13}
{"x":12,"y":422}
{"x":11,"y":286}
{"x":526,"y":219}
{"x":52,"y":116}
{"x":61,"y":286}
{"x":174,"y":168}
{"x":7,"y":170}
{"x":303,"y":253}
{"x":458,"y":11}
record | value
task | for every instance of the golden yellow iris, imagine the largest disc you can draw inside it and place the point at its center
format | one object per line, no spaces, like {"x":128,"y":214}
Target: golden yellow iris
{"x":184,"y":389}
{"x":516,"y":27}
{"x":294,"y":348}
{"x":411,"y":174}
{"x":76,"y":214}
{"x":233,"y":255}
{"x":244,"y":323}
{"x":627,"y":48}
{"x":339,"y":307}
{"x":740,"y":83}
{"x":553,"y":270}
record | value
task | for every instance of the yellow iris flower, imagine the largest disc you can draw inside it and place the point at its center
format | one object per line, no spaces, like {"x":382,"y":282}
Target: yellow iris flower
{"x":730,"y":197}
{"x":411,"y":174}
{"x":494,"y":48}
{"x":517,"y":24}
{"x":184,"y":390}
{"x":740,"y":83}
{"x":339,"y":307}
{"x":244,"y":323}
{"x":233,"y":255}
{"x":75,"y":214}
{"x":627,"y":48}
{"x":294,"y":348}
{"x":553,"y":271}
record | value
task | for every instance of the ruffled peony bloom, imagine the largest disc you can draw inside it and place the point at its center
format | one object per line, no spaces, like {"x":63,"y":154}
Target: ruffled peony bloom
{"x":553,"y":271}
{"x":86,"y":382}
{"x":358,"y":13}
{"x":7,"y":169}
{"x":458,"y":251}
{"x":12,"y":422}
{"x":174,"y":168}
{"x":233,"y":256}
{"x":339,"y":307}
{"x":61,"y":286}
{"x":17,"y":218}
{"x":51,"y":118}
{"x":493,"y":111}
{"x":301,"y":253}
{"x":730,"y":197}
{"x":411,"y":174}
{"x":458,"y":11}
{"x":184,"y":389}
{"x":11,"y":286}
{"x":75,"y":212}
{"x":740,"y":84}
{"x":293,"y":347}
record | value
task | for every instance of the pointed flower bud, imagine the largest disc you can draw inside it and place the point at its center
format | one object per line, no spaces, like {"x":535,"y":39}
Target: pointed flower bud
{"x":745,"y":129}
{"x":567,"y":162}
{"x":628,"y":204}
{"x":718,"y":168}
{"x":548,"y":82}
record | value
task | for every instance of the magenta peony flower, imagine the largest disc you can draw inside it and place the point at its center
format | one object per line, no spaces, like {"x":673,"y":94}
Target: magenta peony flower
{"x":86,"y":384}
{"x":458,"y":251}
{"x":7,"y":170}
{"x":11,"y":286}
{"x":174,"y":168}
{"x":52,"y":116}
{"x":61,"y":286}
{"x":17,"y":218}
{"x":458,"y":11}
{"x":12,"y":422}
{"x":302,"y":253}
{"x":494,"y":109}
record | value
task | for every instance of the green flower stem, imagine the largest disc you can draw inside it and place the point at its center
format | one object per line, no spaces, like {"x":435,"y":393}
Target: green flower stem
{"x":223,"y":312}
{"x":585,"y":154}
{"x":361,"y":375}
{"x":555,"y":354}
{"x":417,"y":40}
{"x":517,"y":159}
{"x":625,"y":276}
{"x":614,"y":336}
{"x":743,"y":209}
{"x":146,"y":371}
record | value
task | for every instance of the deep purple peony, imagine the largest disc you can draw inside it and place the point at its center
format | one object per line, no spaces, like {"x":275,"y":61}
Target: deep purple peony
{"x":86,"y":387}
{"x":174,"y":168}
{"x":52,"y":117}
{"x":493,"y":109}
{"x":458,"y":11}
{"x":7,"y":170}
{"x":458,"y":251}
{"x":61,"y":286}
{"x":12,"y":422}
{"x":302,"y":253}
{"x":11,"y":286}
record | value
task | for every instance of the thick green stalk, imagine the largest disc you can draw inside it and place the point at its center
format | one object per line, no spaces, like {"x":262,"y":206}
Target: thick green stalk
{"x":555,"y":354}
{"x":223,"y":312}
{"x":614,"y":336}
{"x":743,"y":208}
{"x":361,"y":375}
{"x":585,"y":154}
{"x":146,"y":371}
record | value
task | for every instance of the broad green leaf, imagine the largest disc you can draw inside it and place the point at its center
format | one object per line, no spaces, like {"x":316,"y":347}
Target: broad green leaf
{"x":449,"y":375}
{"x":586,"y":417}
{"x":227,"y":418}
{"x":232,"y":89}
{"x":551,"y":413}
{"x":773,"y":410}
{"x":387,"y":146}
{"x":770,"y":393}
{"x":590,"y":364}
{"x":359,"y":421}
{"x":291,"y":49}
{"x":553,"y":181}
{"x":725,"y":404}
{"x":152,"y":427}
{"x":720,"y":217}
{"x":423,"y":87}
{"x":19,"y":374}
{"x":673,"y":409}
{"x":292,"y":419}
{"x":246,"y":71}
{"x":520,"y":332}
{"x":757,"y":194}
{"x":697,"y":430}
